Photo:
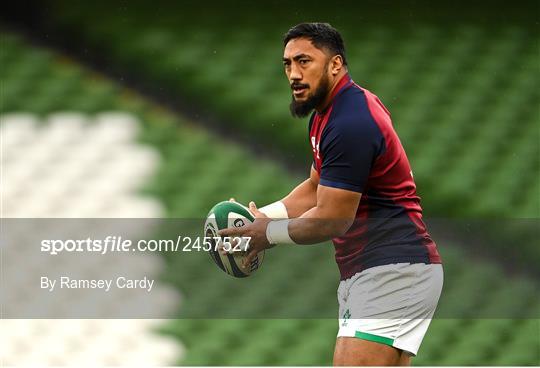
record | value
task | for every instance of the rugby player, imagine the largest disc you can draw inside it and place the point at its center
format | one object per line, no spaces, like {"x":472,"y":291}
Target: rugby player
{"x":361,"y":194}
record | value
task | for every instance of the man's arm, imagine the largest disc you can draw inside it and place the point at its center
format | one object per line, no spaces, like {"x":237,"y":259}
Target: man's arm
{"x":333,"y":214}
{"x":331,"y":217}
{"x":349,"y":147}
{"x":303,"y":197}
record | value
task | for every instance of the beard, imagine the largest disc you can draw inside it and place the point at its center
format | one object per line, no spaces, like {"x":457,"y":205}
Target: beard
{"x":301,"y":109}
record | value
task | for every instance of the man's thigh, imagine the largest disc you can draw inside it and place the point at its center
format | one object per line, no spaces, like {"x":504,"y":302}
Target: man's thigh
{"x":354,"y":351}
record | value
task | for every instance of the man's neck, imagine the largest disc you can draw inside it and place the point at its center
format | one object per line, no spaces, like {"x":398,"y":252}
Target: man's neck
{"x":330,"y":94}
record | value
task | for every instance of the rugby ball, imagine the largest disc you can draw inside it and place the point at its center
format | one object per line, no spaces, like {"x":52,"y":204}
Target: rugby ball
{"x":224,"y":215}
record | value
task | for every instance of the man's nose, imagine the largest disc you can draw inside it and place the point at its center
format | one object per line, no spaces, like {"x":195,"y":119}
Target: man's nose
{"x":295,"y":73}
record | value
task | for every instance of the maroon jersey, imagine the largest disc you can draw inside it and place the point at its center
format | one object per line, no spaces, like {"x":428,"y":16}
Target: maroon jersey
{"x":356,"y":148}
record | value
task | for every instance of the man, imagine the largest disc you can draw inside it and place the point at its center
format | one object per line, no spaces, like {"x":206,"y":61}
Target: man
{"x":361,"y":194}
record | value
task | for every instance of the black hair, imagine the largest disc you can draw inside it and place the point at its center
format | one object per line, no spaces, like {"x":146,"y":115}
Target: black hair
{"x":322,"y":35}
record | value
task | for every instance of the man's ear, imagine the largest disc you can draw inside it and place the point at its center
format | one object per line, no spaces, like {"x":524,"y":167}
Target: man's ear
{"x":336,"y":64}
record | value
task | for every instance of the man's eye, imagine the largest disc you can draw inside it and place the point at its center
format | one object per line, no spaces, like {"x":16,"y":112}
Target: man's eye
{"x":303,"y":61}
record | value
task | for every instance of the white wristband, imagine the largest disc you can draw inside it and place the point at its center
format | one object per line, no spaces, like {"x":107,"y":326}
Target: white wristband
{"x":276,"y":210}
{"x":277,"y":232}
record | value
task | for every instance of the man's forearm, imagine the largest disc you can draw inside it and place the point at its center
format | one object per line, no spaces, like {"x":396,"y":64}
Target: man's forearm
{"x":301,"y":199}
{"x":313,"y":227}
{"x":331,"y":216}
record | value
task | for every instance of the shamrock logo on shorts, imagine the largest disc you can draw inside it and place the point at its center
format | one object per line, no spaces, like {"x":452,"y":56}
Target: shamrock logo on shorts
{"x":346,"y":316}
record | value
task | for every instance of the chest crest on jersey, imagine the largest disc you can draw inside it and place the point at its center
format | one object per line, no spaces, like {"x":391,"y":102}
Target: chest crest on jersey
{"x":315,"y":146}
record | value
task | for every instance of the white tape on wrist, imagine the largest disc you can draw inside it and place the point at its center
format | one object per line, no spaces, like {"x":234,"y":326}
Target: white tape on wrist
{"x":276,"y":210}
{"x":277,"y":232}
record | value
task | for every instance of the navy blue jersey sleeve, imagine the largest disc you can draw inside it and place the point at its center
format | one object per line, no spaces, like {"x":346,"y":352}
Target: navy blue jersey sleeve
{"x":349,"y":146}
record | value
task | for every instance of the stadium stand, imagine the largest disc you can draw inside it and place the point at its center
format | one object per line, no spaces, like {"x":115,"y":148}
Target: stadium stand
{"x":451,"y":88}
{"x":40,"y":82}
{"x":63,"y":166}
{"x":233,"y":70}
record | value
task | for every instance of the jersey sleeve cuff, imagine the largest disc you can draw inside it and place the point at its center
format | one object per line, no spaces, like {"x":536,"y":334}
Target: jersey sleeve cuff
{"x":341,"y":185}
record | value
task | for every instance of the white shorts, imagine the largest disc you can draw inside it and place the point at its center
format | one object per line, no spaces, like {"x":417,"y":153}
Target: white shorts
{"x":391,"y":304}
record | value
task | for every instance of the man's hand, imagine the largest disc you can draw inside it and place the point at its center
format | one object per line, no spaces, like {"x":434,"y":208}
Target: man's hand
{"x":256,"y":231}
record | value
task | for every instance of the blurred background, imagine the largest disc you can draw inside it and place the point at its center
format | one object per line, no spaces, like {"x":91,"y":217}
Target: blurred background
{"x":134,"y":108}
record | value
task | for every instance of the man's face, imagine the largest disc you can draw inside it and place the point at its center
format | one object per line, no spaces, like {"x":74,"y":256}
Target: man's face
{"x":306,"y":68}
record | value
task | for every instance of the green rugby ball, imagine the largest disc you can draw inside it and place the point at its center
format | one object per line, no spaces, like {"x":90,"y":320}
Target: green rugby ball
{"x":224,"y":215}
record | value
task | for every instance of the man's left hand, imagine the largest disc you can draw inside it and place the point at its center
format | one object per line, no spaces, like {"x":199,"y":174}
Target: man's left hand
{"x":256,"y":231}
